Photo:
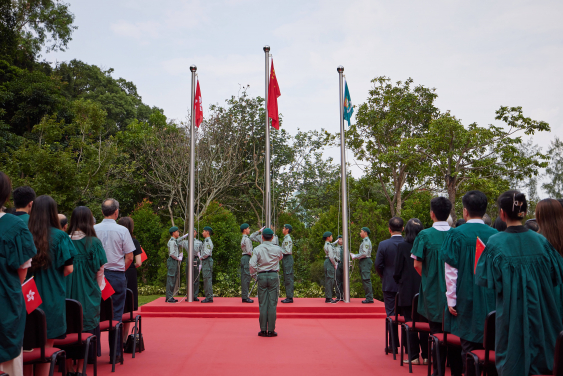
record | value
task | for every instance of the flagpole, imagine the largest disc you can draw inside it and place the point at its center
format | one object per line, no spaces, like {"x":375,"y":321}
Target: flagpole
{"x":267,"y":202}
{"x":190,"y":260}
{"x":346,"y":258}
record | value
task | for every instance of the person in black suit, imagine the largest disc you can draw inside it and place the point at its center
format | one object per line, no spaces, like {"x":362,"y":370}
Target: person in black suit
{"x":408,"y":282}
{"x":385,"y":266}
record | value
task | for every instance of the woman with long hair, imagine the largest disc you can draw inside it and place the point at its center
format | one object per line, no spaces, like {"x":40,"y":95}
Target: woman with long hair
{"x":16,"y":251}
{"x":549,"y":215}
{"x":87,"y":280}
{"x":522,"y":268}
{"x":408,"y":281}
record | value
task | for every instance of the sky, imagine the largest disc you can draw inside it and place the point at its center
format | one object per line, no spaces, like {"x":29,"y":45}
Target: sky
{"x":478,"y":55}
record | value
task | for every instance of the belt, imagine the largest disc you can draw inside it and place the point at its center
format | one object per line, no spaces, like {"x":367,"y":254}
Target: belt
{"x":286,"y":254}
{"x":268,"y":271}
{"x":246,"y":254}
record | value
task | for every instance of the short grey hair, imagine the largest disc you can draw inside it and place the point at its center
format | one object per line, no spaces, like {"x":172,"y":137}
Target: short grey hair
{"x":109,"y":207}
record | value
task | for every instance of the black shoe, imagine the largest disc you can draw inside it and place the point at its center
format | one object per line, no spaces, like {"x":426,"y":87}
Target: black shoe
{"x":207,"y":300}
{"x":247,"y":300}
{"x":171,"y":300}
{"x":328,"y":300}
{"x":263,"y":333}
{"x":287,"y":300}
{"x":196,"y":299}
{"x":367,"y":301}
{"x":272,"y":334}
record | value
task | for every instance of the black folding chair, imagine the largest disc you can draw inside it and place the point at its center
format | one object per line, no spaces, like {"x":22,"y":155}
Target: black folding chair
{"x":390,"y":324}
{"x":107,"y":325}
{"x":419,"y":324}
{"x":478,"y":360}
{"x":438,"y":341}
{"x":130,"y":315}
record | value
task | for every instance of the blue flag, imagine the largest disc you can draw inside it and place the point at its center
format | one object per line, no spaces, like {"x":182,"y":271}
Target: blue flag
{"x":348,"y":109}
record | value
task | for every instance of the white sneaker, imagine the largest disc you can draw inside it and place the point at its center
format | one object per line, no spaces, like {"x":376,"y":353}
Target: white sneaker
{"x":425,"y":361}
{"x":415,"y":361}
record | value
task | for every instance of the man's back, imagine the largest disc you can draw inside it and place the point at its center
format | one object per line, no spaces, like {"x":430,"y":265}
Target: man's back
{"x":117,"y":242}
{"x":266,"y":257}
{"x":385,"y":262}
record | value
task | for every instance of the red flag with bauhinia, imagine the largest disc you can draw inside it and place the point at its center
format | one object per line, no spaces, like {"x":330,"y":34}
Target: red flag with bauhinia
{"x":31,"y":295}
{"x":144,"y":256}
{"x":108,"y":290}
{"x":273,"y":94}
{"x":198,"y":106}
{"x":479,"y":248}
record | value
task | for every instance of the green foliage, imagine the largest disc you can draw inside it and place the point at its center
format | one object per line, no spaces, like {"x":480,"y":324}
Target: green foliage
{"x":148,"y":231}
{"x":554,"y":172}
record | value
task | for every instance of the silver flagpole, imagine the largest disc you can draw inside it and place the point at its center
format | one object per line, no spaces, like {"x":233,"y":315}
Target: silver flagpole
{"x":267,"y":199}
{"x":346,"y":258}
{"x":190,"y":260}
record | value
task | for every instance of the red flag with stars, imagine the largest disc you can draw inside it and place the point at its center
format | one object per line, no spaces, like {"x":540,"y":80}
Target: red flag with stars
{"x":198,"y":106}
{"x":479,"y":248}
{"x":273,"y":94}
{"x":31,"y":295}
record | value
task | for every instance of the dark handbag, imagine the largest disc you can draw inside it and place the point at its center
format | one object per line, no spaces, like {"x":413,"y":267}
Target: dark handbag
{"x":128,"y":348}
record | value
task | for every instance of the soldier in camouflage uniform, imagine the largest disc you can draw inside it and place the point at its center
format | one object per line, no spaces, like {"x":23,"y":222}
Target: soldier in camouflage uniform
{"x":246,"y":245}
{"x":366,"y":263}
{"x":207,"y":265}
{"x":287,"y":248}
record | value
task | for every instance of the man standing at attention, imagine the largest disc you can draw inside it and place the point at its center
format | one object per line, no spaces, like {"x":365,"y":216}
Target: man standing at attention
{"x":207,"y":265}
{"x":173,"y":265}
{"x":265,"y":264}
{"x":246,"y":245}
{"x":119,"y":248}
{"x":330,"y":266}
{"x":364,"y":255}
{"x":287,"y":249}
{"x":23,"y":201}
{"x":385,"y":267}
{"x":339,"y":248}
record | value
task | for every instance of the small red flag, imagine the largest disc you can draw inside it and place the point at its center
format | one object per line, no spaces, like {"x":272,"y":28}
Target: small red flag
{"x":31,"y":295}
{"x":198,"y":106}
{"x":144,"y":256}
{"x":479,"y":248}
{"x":273,"y":94}
{"x":108,"y":290}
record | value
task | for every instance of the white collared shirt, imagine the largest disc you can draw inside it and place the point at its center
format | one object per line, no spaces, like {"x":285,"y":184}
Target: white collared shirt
{"x":440,"y":226}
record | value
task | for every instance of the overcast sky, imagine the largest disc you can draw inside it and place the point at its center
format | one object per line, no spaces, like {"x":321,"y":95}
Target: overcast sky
{"x":478,"y":55}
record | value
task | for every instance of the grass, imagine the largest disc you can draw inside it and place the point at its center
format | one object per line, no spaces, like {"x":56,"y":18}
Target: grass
{"x":147,"y":299}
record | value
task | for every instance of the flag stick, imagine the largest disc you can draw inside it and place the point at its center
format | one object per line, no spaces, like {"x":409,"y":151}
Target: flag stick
{"x":190,"y":285}
{"x":267,"y":202}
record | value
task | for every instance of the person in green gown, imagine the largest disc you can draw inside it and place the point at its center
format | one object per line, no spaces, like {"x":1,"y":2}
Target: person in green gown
{"x":468,"y":304}
{"x":53,"y":262}
{"x":16,"y":251}
{"x":87,"y":279}
{"x":524,"y":270}
{"x":428,"y":263}
{"x":23,"y":201}
{"x":330,"y":266}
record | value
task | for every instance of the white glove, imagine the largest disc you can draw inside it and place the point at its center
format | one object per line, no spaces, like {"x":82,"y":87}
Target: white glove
{"x":200,"y":267}
{"x":263,"y":227}
{"x":184,"y":236}
{"x":181,"y":257}
{"x":336,"y":266}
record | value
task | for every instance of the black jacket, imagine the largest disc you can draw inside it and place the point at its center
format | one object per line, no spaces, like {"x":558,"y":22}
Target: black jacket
{"x":405,"y":274}
{"x":385,"y":262}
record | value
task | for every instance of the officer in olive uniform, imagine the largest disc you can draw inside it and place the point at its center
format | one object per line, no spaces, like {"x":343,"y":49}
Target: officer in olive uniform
{"x":258,"y":239}
{"x":207,"y":264}
{"x":366,"y":263}
{"x":246,"y":245}
{"x":265,"y":264}
{"x":339,"y":248}
{"x":173,"y":264}
{"x":195,"y":264}
{"x":330,"y":267}
{"x":287,"y":249}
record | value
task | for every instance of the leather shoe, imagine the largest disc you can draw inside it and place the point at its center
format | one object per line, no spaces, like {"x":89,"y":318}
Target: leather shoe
{"x":327,"y":300}
{"x":263,"y":333}
{"x":287,"y":300}
{"x":247,"y":300}
{"x":171,"y":300}
{"x":196,"y":299}
{"x":207,"y":300}
{"x":272,"y":334}
{"x":367,"y":301}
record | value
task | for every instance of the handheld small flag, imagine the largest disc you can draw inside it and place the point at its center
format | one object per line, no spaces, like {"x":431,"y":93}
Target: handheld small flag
{"x":144,"y":256}
{"x":31,"y":295}
{"x":108,"y":290}
{"x":479,"y":248}
{"x":273,"y":94}
{"x":198,"y":106}
{"x":348,"y":108}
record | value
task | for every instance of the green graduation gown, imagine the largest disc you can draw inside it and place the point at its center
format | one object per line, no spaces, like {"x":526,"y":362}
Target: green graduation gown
{"x":82,"y":284}
{"x":522,"y":268}
{"x":16,"y":247}
{"x":52,"y":285}
{"x":473,"y":302}
{"x":432,"y":298}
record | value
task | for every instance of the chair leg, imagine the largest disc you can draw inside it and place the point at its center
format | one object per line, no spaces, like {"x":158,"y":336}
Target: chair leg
{"x":409,"y":349}
{"x":386,"y":335}
{"x":472,"y":365}
{"x":87,"y":353}
{"x":135,"y":336}
{"x":439,"y":357}
{"x":402,"y":344}
{"x":393,"y":339}
{"x":430,"y":357}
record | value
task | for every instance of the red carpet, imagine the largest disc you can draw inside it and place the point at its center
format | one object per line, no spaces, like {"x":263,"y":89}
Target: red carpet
{"x":179,"y":346}
{"x":312,"y":308}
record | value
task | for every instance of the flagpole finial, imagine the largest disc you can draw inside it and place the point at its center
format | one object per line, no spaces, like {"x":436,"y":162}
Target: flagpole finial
{"x":193,"y":68}
{"x":340,"y":69}
{"x":266,"y":48}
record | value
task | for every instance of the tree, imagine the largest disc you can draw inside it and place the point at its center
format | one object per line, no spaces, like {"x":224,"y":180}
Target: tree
{"x":392,"y":114}
{"x":554,"y":171}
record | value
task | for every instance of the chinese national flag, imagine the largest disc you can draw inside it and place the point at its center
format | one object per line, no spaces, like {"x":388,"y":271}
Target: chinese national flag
{"x":31,"y":295}
{"x":273,"y":94}
{"x":198,"y":106}
{"x":480,"y":247}
{"x":143,"y":255}
{"x":108,"y":290}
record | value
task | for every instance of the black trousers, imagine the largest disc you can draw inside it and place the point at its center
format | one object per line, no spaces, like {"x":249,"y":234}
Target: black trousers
{"x":418,"y":340}
{"x":389,"y":300}
{"x":468,"y":346}
{"x":453,"y":353}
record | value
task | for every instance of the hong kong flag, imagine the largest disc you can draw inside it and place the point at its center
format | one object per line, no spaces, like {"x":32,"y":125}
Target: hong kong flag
{"x":31,"y":295}
{"x":479,"y":248}
{"x":198,"y":106}
{"x":273,"y":94}
{"x":108,"y":290}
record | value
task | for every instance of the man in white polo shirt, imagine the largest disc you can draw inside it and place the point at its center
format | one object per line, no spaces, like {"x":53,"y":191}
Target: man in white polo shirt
{"x":119,"y":248}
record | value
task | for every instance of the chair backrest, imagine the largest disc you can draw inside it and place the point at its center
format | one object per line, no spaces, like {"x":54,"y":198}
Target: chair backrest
{"x":35,"y":335}
{"x":106,"y":310}
{"x":557,"y":367}
{"x":397,"y":306}
{"x":489,"y":335}
{"x":74,"y":317}
{"x":416,"y":317}
{"x":129,"y":303}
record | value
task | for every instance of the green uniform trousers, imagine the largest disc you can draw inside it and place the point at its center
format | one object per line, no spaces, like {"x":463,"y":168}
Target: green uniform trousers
{"x":268,"y":285}
{"x":244,"y":276}
{"x":196,"y":279}
{"x":173,"y":276}
{"x":365,"y":273}
{"x":340,"y":281}
{"x":329,"y":278}
{"x":288,"y":275}
{"x":207,"y":274}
